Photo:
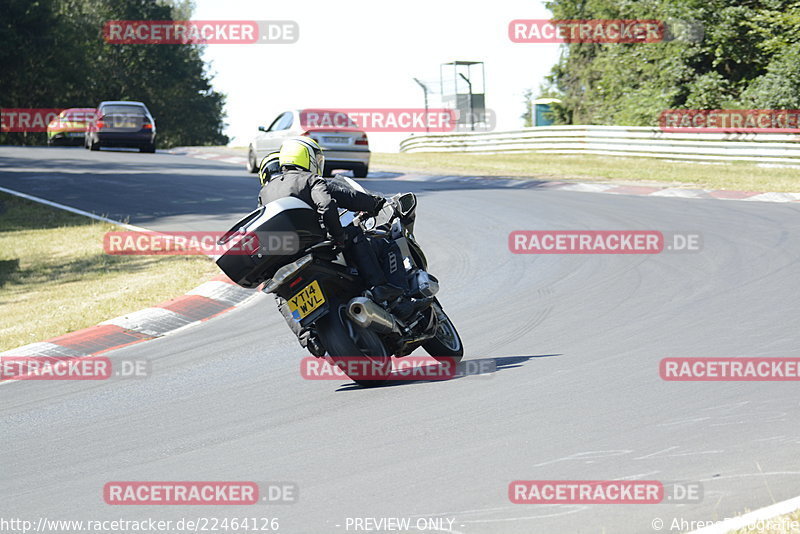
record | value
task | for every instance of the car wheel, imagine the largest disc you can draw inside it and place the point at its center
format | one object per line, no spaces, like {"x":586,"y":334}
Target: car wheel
{"x":149,"y":149}
{"x":252,"y":164}
{"x":361,"y":172}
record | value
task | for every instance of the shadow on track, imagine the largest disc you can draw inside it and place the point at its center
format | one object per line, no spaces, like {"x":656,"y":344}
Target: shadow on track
{"x":155,"y":189}
{"x":480,"y":366}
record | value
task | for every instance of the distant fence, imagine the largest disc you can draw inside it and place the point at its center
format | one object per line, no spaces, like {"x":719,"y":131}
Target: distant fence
{"x":778,"y":148}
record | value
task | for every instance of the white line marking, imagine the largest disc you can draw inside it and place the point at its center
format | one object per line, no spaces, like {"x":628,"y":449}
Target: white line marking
{"x":657,"y":452}
{"x":137,"y":314}
{"x":586,"y":187}
{"x":238,"y":160}
{"x":72,"y":210}
{"x":135,"y":321}
{"x":774,"y":197}
{"x":679,"y":193}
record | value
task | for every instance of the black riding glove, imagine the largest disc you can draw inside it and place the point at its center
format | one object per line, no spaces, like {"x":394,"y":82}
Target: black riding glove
{"x":380,"y":202}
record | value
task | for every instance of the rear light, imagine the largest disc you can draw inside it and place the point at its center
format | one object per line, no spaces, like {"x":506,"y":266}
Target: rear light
{"x":362,"y":140}
{"x":147,"y":126}
{"x":286,"y":272}
{"x":311,"y":135}
{"x":100,"y":124}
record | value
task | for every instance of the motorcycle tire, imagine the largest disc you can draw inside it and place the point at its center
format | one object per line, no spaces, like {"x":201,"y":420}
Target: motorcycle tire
{"x":359,"y":352}
{"x":446,"y":347}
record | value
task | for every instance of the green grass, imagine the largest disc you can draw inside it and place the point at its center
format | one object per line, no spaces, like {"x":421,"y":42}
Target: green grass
{"x":731,"y":176}
{"x":55,"y":277}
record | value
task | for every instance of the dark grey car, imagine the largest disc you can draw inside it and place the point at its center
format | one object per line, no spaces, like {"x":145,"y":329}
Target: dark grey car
{"x":122,"y":124}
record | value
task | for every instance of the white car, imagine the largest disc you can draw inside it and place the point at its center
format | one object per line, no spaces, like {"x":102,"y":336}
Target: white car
{"x":345,"y":148}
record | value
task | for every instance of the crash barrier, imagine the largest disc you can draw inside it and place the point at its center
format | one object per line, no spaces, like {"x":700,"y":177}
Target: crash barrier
{"x":777,"y":148}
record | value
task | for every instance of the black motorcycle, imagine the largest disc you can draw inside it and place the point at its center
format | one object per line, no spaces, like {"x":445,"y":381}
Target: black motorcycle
{"x":328,"y":299}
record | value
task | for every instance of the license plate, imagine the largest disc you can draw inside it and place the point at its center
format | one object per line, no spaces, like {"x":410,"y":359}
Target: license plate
{"x":339,"y":140}
{"x":309,"y":299}
{"x":123,"y":122}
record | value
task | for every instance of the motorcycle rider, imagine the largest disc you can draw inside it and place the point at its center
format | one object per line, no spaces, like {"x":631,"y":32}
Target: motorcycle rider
{"x":300,"y":175}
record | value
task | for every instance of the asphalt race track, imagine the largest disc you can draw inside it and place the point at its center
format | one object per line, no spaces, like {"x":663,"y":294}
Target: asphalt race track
{"x":576,"y":339}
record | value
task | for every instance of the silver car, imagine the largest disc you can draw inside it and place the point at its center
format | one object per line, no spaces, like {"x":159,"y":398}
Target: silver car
{"x":345,"y":148}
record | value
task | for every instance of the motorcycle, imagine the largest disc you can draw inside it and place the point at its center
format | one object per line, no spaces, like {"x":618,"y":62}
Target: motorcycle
{"x":329,"y":300}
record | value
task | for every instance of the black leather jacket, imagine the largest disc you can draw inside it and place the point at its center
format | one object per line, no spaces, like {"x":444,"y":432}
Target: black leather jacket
{"x":317,"y":192}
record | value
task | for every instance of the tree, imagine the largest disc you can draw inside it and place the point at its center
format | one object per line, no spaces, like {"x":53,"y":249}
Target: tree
{"x":717,"y":54}
{"x":527,"y":117}
{"x":67,"y":63}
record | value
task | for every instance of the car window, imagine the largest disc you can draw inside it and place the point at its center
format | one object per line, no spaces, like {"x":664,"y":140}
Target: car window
{"x":287,"y":121}
{"x":126,"y":110}
{"x":275,"y":123}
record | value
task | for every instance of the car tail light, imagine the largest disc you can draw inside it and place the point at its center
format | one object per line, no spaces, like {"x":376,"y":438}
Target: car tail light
{"x":100,"y":123}
{"x":147,"y":126}
{"x":310,"y":134}
{"x":362,"y":140}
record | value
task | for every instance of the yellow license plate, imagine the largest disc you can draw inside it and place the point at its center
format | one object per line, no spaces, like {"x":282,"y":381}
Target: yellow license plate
{"x":309,"y":299}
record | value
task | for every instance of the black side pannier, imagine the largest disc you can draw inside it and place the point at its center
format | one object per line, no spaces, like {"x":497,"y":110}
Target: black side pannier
{"x":267,"y":239}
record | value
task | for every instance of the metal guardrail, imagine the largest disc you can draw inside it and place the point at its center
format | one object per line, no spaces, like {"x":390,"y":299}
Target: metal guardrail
{"x":777,"y":148}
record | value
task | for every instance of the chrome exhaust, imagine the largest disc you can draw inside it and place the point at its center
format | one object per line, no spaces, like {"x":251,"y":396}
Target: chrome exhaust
{"x":367,"y":314}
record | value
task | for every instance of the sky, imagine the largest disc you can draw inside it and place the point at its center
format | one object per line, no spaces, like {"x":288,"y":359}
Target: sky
{"x":365,"y":54}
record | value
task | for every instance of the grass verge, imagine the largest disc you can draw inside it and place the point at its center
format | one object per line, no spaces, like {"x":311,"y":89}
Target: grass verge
{"x":731,"y":176}
{"x":782,"y":524}
{"x":55,"y":277}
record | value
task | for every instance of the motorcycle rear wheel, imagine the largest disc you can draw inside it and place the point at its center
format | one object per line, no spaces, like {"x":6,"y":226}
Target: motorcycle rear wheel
{"x":359,"y":352}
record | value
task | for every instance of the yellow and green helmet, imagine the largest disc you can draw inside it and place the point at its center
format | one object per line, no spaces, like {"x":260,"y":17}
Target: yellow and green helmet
{"x":269,"y":166}
{"x":303,"y":152}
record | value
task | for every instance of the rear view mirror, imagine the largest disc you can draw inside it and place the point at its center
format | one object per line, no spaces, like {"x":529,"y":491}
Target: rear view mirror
{"x":407,"y":203}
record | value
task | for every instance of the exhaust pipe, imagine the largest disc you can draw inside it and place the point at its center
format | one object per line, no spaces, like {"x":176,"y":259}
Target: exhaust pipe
{"x":367,"y":314}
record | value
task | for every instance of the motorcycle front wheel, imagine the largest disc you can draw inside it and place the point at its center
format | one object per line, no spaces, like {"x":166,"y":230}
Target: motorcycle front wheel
{"x":446,"y":346}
